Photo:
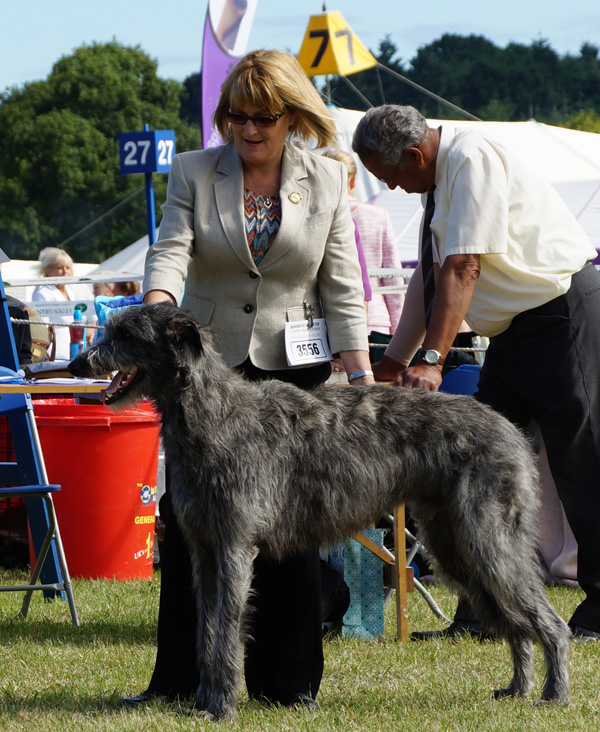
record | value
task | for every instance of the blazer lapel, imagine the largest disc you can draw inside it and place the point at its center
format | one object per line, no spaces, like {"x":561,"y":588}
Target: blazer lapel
{"x":229,"y":188}
{"x":295,"y":194}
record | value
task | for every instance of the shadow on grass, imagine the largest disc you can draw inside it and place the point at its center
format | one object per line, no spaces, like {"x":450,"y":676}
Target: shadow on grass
{"x":107,"y":631}
{"x":66,"y":700}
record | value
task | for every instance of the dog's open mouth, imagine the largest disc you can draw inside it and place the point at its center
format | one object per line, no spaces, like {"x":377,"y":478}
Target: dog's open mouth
{"x":118,"y":386}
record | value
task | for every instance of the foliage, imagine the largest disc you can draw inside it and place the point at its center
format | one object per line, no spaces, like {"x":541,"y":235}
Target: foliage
{"x":57,"y":676}
{"x":191,"y":102}
{"x":59,"y":170}
{"x":587,"y":120}
{"x":59,"y":162}
{"x":512,"y":83}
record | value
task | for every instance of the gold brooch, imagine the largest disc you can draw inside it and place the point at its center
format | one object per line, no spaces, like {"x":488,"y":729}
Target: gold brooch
{"x":295,"y":197}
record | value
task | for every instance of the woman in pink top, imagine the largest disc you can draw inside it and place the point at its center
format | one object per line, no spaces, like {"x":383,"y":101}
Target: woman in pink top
{"x":377,"y":239}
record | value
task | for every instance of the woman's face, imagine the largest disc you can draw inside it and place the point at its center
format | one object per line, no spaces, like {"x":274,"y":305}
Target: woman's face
{"x":260,"y":146}
{"x":59,"y":270}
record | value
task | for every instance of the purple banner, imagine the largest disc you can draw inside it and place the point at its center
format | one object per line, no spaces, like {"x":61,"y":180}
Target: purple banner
{"x":226,"y":33}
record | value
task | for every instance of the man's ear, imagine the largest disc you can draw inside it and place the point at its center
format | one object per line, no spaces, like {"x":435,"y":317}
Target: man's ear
{"x":414,"y":156}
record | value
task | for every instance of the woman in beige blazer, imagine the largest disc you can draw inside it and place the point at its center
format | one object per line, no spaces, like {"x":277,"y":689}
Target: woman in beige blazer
{"x":255,"y":234}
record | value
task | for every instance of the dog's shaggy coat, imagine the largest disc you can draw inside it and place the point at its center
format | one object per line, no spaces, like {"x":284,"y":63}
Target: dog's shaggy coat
{"x":269,"y":466}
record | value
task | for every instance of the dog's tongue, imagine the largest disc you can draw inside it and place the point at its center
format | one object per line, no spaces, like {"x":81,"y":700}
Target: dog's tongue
{"x":115,"y":383}
{"x":121,"y":378}
{"x":112,"y":387}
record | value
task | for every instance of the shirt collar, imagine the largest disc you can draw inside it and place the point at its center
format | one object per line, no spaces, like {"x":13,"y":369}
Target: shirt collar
{"x":447,"y":135}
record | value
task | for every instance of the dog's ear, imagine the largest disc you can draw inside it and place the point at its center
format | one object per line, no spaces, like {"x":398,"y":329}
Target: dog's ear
{"x":186,"y":332}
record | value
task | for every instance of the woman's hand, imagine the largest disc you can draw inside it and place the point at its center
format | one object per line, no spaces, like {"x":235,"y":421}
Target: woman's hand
{"x":355,"y":361}
{"x":337,"y":366}
{"x":154,"y":296}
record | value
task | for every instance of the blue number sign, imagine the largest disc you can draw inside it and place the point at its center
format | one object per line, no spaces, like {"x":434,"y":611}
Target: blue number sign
{"x":150,"y":151}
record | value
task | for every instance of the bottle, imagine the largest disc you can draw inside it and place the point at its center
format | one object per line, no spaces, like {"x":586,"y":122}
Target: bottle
{"x":77,"y":334}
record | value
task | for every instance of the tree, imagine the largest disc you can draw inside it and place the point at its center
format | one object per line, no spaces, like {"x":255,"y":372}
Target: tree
{"x":59,"y":162}
{"x":191,"y":100}
{"x":471,"y":72}
{"x":588,"y":121}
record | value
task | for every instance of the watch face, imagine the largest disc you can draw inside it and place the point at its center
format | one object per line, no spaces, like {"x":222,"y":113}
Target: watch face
{"x":432,"y":357}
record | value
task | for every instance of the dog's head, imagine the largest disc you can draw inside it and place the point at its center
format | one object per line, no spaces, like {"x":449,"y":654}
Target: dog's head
{"x":151,"y":348}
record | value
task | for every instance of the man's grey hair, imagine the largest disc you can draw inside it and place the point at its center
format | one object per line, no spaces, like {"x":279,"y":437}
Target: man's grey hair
{"x":385,"y":132}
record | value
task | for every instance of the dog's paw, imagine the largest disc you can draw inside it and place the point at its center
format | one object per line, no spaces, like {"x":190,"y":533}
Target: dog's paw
{"x":509,"y":691}
{"x":553,"y":696}
{"x":552,"y":702}
{"x":203,"y":693}
{"x":211,"y":712}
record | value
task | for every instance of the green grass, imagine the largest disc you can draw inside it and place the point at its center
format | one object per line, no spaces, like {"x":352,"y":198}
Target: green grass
{"x":54,"y":676}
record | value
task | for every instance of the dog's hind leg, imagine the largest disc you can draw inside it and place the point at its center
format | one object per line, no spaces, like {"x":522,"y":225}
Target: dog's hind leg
{"x":233,"y":577}
{"x":522,"y":615}
{"x":519,"y":615}
{"x":501,"y":618}
{"x":521,"y":683}
{"x":554,"y":636}
{"x":540,"y":618}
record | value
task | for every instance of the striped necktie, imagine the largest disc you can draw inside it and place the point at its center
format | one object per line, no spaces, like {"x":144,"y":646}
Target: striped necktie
{"x":427,"y":257}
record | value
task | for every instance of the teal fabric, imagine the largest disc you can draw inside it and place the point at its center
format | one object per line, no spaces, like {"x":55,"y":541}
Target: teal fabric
{"x":363,"y":572}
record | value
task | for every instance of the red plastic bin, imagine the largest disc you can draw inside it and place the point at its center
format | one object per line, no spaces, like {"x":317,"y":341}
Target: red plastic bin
{"x":106,"y":463}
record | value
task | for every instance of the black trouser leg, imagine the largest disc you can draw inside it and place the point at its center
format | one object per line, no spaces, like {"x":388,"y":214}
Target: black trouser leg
{"x":284,"y":654}
{"x":546,"y":366}
{"x":175,"y":671}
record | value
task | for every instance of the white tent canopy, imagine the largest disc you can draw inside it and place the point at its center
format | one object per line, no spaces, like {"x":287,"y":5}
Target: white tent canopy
{"x":569,"y":159}
{"x":129,"y":261}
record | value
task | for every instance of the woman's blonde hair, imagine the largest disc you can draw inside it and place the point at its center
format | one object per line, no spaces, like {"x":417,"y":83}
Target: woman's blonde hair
{"x":127,"y":288}
{"x":51,"y":256}
{"x":274,"y":81}
{"x":343,"y":157}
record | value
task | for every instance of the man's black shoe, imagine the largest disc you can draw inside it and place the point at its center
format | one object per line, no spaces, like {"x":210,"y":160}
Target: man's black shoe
{"x":457,"y":629}
{"x":146,"y":697}
{"x":583,"y":635}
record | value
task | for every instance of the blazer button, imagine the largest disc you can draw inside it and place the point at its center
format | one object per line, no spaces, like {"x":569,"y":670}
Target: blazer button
{"x":254,"y":275}
{"x":248,"y":308}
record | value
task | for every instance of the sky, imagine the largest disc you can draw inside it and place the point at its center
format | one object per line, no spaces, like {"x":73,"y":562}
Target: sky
{"x":36,"y":33}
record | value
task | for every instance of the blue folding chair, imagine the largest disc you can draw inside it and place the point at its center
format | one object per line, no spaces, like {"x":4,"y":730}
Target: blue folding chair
{"x":461,"y":380}
{"x":29,"y":468}
{"x":26,"y":477}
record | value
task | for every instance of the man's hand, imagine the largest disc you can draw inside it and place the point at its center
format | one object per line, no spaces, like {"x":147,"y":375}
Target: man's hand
{"x":387,"y":369}
{"x":420,"y":376}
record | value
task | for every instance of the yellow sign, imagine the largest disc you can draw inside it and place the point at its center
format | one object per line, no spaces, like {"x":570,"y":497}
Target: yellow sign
{"x":330,"y":46}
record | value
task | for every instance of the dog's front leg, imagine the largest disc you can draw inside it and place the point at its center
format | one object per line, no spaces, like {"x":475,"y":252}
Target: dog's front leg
{"x":204,"y":564}
{"x":233,"y":578}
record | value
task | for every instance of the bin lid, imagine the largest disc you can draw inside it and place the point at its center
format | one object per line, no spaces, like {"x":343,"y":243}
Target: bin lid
{"x":67,"y":412}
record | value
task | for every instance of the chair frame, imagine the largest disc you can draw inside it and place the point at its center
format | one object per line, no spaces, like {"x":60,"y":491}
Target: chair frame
{"x":26,"y":477}
{"x":43,"y":492}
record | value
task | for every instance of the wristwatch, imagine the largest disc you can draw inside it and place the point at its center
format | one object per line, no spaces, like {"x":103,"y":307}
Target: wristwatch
{"x":431,"y":357}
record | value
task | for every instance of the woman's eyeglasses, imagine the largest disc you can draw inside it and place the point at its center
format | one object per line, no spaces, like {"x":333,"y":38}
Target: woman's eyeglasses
{"x":258,"y":120}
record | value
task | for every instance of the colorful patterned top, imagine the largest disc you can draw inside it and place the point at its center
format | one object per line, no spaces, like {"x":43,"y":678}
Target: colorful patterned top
{"x":262,"y":216}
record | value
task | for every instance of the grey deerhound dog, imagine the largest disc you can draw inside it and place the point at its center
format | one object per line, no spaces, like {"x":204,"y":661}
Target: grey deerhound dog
{"x":271,"y":467}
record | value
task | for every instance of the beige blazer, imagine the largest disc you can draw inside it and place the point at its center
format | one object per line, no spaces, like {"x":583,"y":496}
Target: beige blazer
{"x":202,"y":253}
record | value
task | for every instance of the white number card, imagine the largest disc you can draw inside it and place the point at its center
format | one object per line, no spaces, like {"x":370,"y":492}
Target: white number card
{"x":304,"y":345}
